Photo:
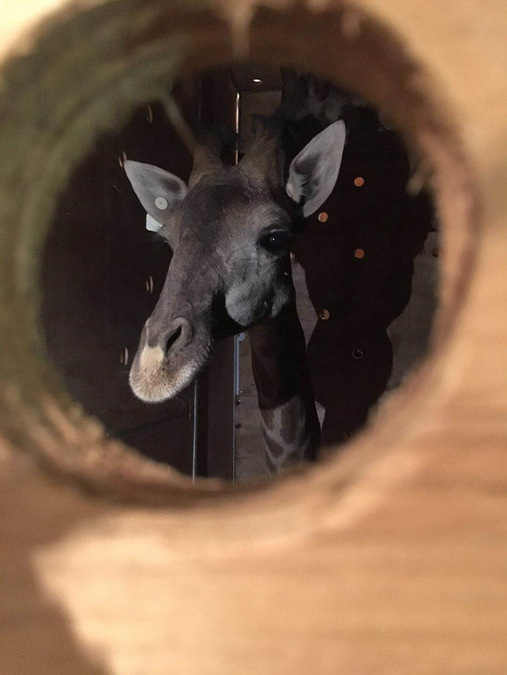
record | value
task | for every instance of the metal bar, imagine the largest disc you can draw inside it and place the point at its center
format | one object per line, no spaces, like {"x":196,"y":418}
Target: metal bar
{"x":195,"y":428}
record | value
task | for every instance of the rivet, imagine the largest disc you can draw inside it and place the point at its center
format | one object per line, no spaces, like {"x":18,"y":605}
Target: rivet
{"x":323,"y":217}
{"x":124,"y":356}
{"x":357,"y":354}
{"x":359,"y":253}
{"x":359,"y":181}
{"x":324,"y":314}
{"x":161,"y":203}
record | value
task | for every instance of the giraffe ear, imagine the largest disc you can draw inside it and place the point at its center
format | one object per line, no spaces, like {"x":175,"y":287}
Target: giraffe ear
{"x":155,"y":188}
{"x":313,"y":172}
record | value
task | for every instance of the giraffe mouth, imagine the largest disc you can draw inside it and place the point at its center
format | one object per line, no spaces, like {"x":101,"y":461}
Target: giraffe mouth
{"x":156,"y":386}
{"x":155,"y":377}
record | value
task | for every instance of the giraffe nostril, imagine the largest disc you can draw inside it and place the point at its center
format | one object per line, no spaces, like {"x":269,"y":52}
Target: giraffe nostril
{"x":173,"y":338}
{"x":177,"y":337}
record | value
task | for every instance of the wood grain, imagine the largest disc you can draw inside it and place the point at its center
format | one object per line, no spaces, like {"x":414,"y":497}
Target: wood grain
{"x":388,"y":558}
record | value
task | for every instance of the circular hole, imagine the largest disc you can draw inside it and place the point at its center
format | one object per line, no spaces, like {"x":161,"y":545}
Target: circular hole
{"x":150,"y":285}
{"x":373,"y":49}
{"x":111,"y":221}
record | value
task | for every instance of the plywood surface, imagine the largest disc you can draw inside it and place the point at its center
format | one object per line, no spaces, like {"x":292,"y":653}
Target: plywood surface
{"x":388,"y":560}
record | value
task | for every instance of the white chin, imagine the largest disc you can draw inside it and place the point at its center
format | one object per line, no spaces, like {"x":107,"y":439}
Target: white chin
{"x":156,"y":388}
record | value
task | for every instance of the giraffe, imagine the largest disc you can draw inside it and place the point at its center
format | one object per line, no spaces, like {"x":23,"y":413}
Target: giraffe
{"x":230,"y":231}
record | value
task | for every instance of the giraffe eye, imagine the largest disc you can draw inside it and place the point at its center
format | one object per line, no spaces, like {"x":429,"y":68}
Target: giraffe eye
{"x":275,"y":241}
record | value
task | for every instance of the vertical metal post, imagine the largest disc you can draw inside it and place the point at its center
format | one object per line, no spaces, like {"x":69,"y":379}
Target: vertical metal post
{"x":195,"y":428}
{"x":237,"y":337}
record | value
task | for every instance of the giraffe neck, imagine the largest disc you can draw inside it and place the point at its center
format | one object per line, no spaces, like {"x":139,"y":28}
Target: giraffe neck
{"x":290,"y":425}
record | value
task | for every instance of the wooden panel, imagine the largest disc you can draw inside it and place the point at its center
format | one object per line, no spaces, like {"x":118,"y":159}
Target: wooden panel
{"x":389,"y":558}
{"x":218,"y":100}
{"x":101,"y":276}
{"x":169,"y":441}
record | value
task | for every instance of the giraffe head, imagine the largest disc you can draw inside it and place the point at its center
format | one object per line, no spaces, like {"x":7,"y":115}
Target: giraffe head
{"x":230,"y":231}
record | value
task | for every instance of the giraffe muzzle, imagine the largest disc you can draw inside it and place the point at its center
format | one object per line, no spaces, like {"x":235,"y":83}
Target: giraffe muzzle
{"x":168,"y":359}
